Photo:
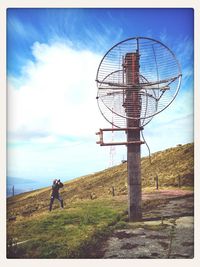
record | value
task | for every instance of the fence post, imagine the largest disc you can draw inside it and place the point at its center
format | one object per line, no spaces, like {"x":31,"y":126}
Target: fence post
{"x":156,"y":180}
{"x":113,"y":191}
{"x":179,"y":181}
{"x":13,"y":190}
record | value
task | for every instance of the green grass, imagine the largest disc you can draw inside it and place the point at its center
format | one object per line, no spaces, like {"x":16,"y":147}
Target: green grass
{"x":75,"y":231}
{"x":68,"y":233}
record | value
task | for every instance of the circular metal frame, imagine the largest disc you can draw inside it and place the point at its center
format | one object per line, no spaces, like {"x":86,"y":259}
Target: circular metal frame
{"x":103,"y":76}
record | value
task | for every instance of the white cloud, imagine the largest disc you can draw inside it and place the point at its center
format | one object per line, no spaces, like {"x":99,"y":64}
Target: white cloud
{"x":53,"y":116}
{"x":56,"y":93}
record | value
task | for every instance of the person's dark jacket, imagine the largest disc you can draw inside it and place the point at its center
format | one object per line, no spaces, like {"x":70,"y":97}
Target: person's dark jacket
{"x":55,"y":189}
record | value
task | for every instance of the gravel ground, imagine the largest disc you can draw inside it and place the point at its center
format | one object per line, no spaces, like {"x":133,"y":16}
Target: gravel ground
{"x":165,"y":232}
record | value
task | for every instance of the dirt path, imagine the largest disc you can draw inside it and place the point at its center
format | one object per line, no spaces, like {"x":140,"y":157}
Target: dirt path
{"x":166,"y":230}
{"x":167,"y":193}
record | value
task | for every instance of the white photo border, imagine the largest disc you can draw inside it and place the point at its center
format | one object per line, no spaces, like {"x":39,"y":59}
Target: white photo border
{"x":4,"y":4}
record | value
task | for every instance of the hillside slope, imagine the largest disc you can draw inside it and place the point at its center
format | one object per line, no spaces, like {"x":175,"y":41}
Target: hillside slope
{"x":168,"y":165}
{"x":91,"y":210}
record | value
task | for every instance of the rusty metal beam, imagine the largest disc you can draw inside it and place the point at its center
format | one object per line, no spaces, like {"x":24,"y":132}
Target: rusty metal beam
{"x":120,"y":143}
{"x":121,"y":129}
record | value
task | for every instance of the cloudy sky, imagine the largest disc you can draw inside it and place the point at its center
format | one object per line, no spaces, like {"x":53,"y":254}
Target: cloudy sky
{"x":52,"y":60}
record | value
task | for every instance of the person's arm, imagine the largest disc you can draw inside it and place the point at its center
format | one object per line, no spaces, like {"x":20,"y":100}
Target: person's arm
{"x":61,"y":184}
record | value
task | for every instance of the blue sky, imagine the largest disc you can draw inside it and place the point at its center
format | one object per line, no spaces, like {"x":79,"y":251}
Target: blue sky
{"x":52,"y":59}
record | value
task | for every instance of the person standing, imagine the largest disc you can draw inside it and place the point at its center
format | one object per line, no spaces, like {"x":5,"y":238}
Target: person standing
{"x":55,"y":193}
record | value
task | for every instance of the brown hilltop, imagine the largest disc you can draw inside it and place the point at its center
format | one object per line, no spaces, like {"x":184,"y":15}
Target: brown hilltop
{"x":169,"y":165}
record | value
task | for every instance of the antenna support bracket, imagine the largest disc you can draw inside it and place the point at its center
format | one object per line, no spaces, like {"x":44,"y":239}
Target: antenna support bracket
{"x":102,"y":143}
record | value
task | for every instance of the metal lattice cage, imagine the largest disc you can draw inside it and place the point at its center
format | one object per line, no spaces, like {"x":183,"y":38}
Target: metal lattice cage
{"x":136,"y":79}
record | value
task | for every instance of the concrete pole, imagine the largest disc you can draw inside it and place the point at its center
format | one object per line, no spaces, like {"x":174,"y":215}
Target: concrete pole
{"x":132,"y":105}
{"x":134,"y":183}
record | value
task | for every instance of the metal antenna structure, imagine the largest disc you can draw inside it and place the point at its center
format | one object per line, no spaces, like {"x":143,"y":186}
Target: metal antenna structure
{"x":136,"y":79}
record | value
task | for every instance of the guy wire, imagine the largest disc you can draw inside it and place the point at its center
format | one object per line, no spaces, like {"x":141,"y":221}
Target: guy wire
{"x":154,"y":171}
{"x":147,"y":146}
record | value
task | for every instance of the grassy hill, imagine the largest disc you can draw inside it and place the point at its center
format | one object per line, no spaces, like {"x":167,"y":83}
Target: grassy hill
{"x":91,"y":207}
{"x":169,"y":165}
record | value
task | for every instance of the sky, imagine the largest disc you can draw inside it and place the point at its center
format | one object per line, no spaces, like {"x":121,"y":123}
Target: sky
{"x":52,"y":60}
